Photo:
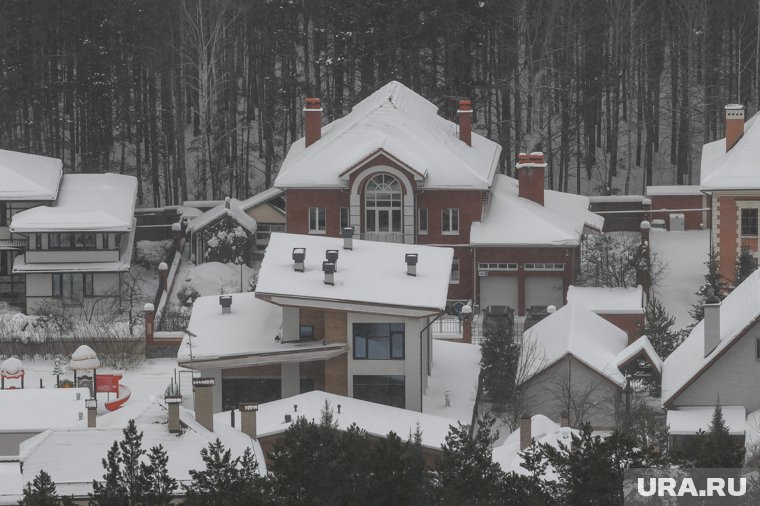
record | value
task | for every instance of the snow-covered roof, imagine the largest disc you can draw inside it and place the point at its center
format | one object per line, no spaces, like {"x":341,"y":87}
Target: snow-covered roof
{"x":29,"y":177}
{"x":231,"y":207}
{"x":86,"y":202}
{"x":371,"y":274}
{"x":738,"y":312}
{"x":518,"y":221}
{"x":376,"y":419}
{"x":542,"y":430}
{"x":399,"y":122}
{"x":577,"y":331}
{"x":603,"y":300}
{"x":642,"y":345}
{"x":680,"y":190}
{"x":691,"y":419}
{"x":37,"y":409}
{"x":736,"y":169}
{"x":53,"y":450}
{"x":11,"y":482}
{"x":261,"y":198}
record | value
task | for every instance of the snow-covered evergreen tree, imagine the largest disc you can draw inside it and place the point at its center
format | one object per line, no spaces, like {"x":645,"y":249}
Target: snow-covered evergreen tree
{"x":715,"y":283}
{"x":658,"y":327}
{"x":40,"y":491}
{"x":225,"y":480}
{"x":745,"y":265}
{"x":716,"y":448}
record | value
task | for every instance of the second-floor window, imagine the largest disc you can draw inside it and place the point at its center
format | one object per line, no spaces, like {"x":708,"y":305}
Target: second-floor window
{"x":454,"y":279}
{"x":317,"y":220}
{"x":383,"y":205}
{"x":450,"y":221}
{"x":422,"y":220}
{"x":70,"y":240}
{"x":72,"y":288}
{"x":345,"y":222}
{"x":749,"y":222}
{"x":378,"y":341}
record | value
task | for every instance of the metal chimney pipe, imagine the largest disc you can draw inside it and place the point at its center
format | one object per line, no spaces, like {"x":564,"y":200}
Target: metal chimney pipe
{"x":332,"y":256}
{"x":299,"y":256}
{"x":411,"y":264}
{"x":348,"y":238}
{"x":329,"y":269}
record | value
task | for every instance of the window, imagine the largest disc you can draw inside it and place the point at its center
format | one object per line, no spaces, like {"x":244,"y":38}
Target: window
{"x":757,"y":349}
{"x":749,"y":222}
{"x":38,"y":241}
{"x":450,"y":221}
{"x":382,"y":203}
{"x":237,"y":390}
{"x":3,"y":215}
{"x":454,"y":271}
{"x":71,"y":241}
{"x":72,"y":288}
{"x":316,"y":220}
{"x":544,"y":267}
{"x":497,"y":266}
{"x":422,"y":220}
{"x":105,"y":241}
{"x":345,"y":222}
{"x":388,"y":390}
{"x":379,"y":341}
{"x":306,"y":332}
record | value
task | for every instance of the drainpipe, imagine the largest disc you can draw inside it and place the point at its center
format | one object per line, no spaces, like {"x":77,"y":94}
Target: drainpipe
{"x":423,"y":372}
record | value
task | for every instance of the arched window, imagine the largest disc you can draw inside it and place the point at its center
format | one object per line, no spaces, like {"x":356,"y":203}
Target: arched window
{"x":382,"y":199}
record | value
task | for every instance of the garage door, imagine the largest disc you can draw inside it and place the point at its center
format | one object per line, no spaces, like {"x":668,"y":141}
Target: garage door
{"x":543,"y":291}
{"x":498,"y":291}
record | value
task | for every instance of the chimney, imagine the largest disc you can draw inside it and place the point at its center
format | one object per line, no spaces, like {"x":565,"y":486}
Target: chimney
{"x":564,"y":419}
{"x":248,"y":418}
{"x":204,"y":401}
{"x":329,"y":269}
{"x":332,"y":256}
{"x":531,"y":175}
{"x":226,"y":202}
{"x":525,"y":432}
{"x":312,"y":120}
{"x":299,"y":256}
{"x":149,"y":313}
{"x":348,"y":238}
{"x":226,"y":302}
{"x":465,"y":121}
{"x":734,"y":124}
{"x":711,"y":321}
{"x":92,"y":412}
{"x":172,"y":406}
{"x":411,"y":264}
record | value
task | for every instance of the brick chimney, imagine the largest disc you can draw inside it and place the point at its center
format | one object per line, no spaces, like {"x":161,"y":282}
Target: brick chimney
{"x":172,"y":406}
{"x":564,"y":419}
{"x":248,"y":418}
{"x":312,"y":120}
{"x":465,"y":121}
{"x":530,"y":169}
{"x":734,"y":124}
{"x":711,"y":322}
{"x":204,"y":401}
{"x":525,"y":432}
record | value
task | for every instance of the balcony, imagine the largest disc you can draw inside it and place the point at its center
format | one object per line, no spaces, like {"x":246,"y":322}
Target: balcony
{"x":13,"y":244}
{"x":395,"y":237}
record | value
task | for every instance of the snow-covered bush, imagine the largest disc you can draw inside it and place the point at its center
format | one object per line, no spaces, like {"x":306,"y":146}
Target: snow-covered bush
{"x":187,"y":295}
{"x":151,"y":253}
{"x":228,"y":243}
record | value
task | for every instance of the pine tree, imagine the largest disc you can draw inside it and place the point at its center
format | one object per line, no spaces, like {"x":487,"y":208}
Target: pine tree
{"x":658,"y":327}
{"x":714,"y":281}
{"x":498,"y":366}
{"x":159,"y":483}
{"x":745,"y":265}
{"x":40,"y":492}
{"x":716,"y":448}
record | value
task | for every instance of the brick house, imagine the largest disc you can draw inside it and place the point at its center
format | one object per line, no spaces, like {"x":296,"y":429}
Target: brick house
{"x":729,"y":174}
{"x":395,"y":171}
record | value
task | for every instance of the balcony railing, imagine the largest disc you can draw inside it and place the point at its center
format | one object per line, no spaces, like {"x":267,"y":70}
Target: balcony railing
{"x":383,"y":237}
{"x":13,"y":244}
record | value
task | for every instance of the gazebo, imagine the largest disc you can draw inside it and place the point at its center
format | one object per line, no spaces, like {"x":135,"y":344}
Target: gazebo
{"x":85,"y":359}
{"x":12,"y":368}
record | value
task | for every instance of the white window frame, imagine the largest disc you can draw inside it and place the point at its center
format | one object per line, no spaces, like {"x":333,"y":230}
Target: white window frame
{"x":447,"y":223}
{"x":501,"y":266}
{"x":420,"y":212}
{"x":455,"y":272}
{"x":316,"y":212}
{"x":545,"y":266}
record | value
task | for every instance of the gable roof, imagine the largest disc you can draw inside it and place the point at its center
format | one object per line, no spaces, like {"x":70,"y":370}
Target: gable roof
{"x":235,"y":210}
{"x":608,"y":300}
{"x":29,"y":177}
{"x":518,"y":221}
{"x":577,"y":331}
{"x":261,"y":198}
{"x":739,"y":311}
{"x":737,"y":169}
{"x":86,"y":202}
{"x":640,"y":347}
{"x":397,"y":121}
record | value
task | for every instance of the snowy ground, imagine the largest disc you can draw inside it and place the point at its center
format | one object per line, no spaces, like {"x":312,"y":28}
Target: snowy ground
{"x":455,"y":369}
{"x":684,"y":254}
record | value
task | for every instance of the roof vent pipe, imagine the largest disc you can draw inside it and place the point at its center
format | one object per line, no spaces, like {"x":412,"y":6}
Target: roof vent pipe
{"x":299,"y":256}
{"x":712,"y":322}
{"x":411,"y":264}
{"x":348,"y":238}
{"x":332,"y":256}
{"x":226,"y":302}
{"x":329,"y":269}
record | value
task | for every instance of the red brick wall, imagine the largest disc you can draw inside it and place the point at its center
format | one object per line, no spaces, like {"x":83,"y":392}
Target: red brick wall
{"x":469,"y":203}
{"x":693,"y":219}
{"x":727,"y":237}
{"x":632,"y":324}
{"x":380,"y":160}
{"x":299,"y":202}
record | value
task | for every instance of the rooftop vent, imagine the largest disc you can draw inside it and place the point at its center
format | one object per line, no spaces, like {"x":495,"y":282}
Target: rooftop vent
{"x":329,"y":269}
{"x":411,"y":264}
{"x":299,"y":255}
{"x":348,"y":238}
{"x":226,"y":302}
{"x":332,"y":256}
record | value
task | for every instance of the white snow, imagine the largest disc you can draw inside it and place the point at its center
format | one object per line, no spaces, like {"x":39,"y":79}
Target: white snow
{"x":679,"y":190}
{"x":684,"y":254}
{"x":399,"y":122}
{"x":101,"y":202}
{"x":738,"y":310}
{"x":517,"y":221}
{"x":736,"y":169}
{"x":608,"y":300}
{"x":574,"y":330}
{"x":371,"y":273}
{"x":37,"y":409}
{"x":84,"y":358}
{"x":11,"y":483}
{"x":231,"y":207}
{"x":11,"y":367}
{"x":376,"y":419}
{"x":29,"y":177}
{"x":211,"y":278}
{"x":455,"y":370}
{"x":642,"y":344}
{"x":689,"y":420}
